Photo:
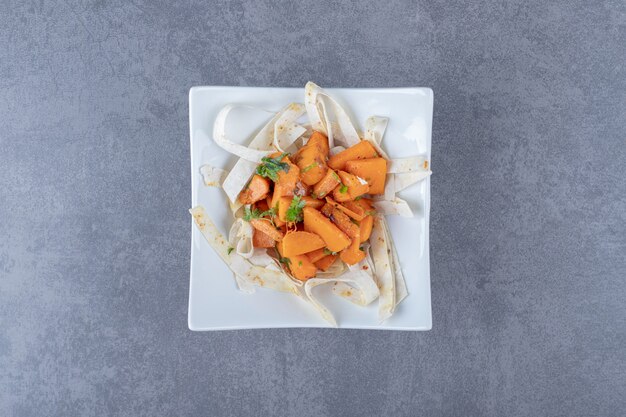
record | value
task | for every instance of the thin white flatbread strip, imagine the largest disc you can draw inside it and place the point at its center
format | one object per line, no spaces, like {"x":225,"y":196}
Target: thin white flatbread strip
{"x":405,"y":180}
{"x":401,"y":289}
{"x":240,"y":238}
{"x":362,"y":284}
{"x":409,"y":164}
{"x":286,"y":130}
{"x":243,"y":169}
{"x":347,"y":291}
{"x":256,"y":275}
{"x":212,"y":176}
{"x":317,"y":103}
{"x":375,"y":127}
{"x":383,"y":270}
{"x":395,"y":207}
{"x":249,"y":153}
{"x":398,"y":182}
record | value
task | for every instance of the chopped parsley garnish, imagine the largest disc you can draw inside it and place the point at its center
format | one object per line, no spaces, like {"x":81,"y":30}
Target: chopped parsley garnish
{"x":284,"y":261}
{"x":343,"y":189}
{"x":309,"y":167}
{"x":328,"y":252}
{"x":230,"y":249}
{"x":299,"y":263}
{"x":358,"y":198}
{"x":250,"y":214}
{"x":294,"y":212}
{"x":270,"y":167}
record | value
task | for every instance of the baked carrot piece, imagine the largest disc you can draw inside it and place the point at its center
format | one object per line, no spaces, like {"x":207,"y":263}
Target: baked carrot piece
{"x":298,"y":243}
{"x":321,"y":141}
{"x":353,"y":211}
{"x":327,"y":184}
{"x":312,"y":202}
{"x":312,"y":164}
{"x":325,"y":262}
{"x":257,"y":189}
{"x":299,"y":265}
{"x":374,"y":171}
{"x":361,"y":150}
{"x":353,"y":253}
{"x":341,"y":220}
{"x":317,"y":223}
{"x":317,"y":254}
{"x":268,"y":228}
{"x":365,"y":228}
{"x":262,"y":240}
{"x":283,"y":206}
{"x":351,"y":187}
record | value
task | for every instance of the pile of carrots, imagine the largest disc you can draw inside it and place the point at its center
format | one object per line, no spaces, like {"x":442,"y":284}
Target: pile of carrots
{"x":311,"y":207}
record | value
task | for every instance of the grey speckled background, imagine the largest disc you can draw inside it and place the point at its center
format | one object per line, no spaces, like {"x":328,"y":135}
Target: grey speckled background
{"x":528,"y":220}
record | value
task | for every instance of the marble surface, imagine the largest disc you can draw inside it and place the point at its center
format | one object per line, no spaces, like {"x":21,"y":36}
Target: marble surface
{"x":528,"y":236}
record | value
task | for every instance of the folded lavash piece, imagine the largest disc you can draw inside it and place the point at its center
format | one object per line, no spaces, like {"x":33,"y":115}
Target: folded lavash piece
{"x":347,"y":291}
{"x":395,"y":207}
{"x":401,"y":289}
{"x":317,"y":103}
{"x":262,"y":142}
{"x":212,"y":176}
{"x":363,"y":284}
{"x":257,"y":275}
{"x":383,"y":270}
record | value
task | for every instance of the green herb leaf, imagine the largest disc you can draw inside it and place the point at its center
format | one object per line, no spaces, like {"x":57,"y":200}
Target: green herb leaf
{"x":309,"y":167}
{"x":270,"y":167}
{"x":328,"y":252}
{"x":250,"y":214}
{"x":230,"y":249}
{"x":294,"y":212}
{"x":299,"y":263}
{"x":361,"y":248}
{"x":358,"y":198}
{"x":284,"y":261}
{"x":343,"y":189}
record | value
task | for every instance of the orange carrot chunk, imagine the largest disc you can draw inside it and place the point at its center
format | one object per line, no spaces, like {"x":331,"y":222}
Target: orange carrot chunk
{"x":349,"y":207}
{"x":341,"y":220}
{"x":313,"y":202}
{"x":365,"y":228}
{"x":325,"y":262}
{"x":362,"y":150}
{"x":321,"y":141}
{"x":351,"y":187}
{"x":327,"y":184}
{"x":262,"y":240}
{"x":374,"y":171}
{"x":268,"y":228}
{"x":297,"y":243}
{"x":299,"y":265}
{"x":317,"y":254}
{"x":353,"y":254}
{"x":257,"y":189}
{"x":317,"y":223}
{"x":312,"y":164}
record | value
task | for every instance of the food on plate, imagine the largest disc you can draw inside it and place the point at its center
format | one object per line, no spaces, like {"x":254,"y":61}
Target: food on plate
{"x":308,"y":197}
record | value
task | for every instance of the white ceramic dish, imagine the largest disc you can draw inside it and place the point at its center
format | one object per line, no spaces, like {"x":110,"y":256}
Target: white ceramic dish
{"x":215,"y":303}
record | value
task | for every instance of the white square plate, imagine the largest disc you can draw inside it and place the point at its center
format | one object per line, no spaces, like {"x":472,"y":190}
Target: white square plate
{"x":215,"y":302}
